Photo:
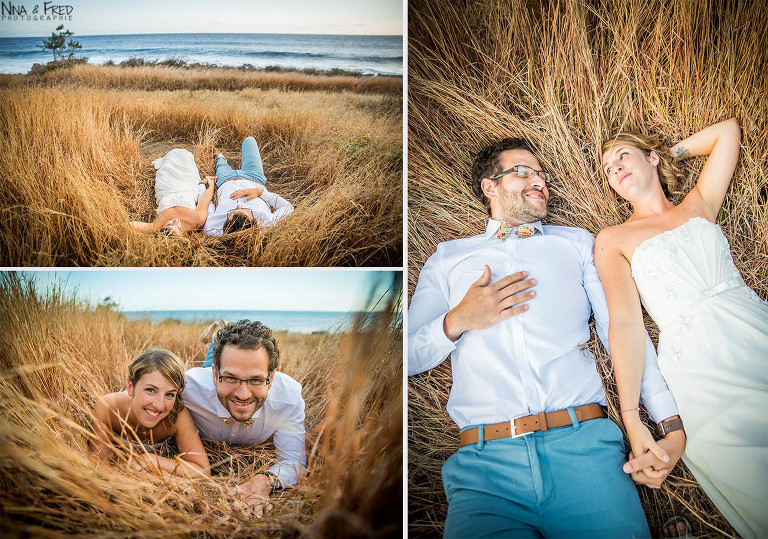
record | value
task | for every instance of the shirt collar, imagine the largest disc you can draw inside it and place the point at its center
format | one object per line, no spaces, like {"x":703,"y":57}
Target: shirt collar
{"x":493,"y":226}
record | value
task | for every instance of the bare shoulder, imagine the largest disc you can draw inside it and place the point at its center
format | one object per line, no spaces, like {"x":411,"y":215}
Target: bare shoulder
{"x":609,"y":239}
{"x":107,"y":407}
{"x":183,"y":422}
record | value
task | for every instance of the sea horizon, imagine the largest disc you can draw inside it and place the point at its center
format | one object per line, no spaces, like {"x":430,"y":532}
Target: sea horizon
{"x":366,"y":54}
{"x":304,"y":322}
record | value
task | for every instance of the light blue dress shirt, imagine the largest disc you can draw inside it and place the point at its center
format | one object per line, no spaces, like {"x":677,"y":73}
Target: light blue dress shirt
{"x":261,"y":206}
{"x":532,"y":362}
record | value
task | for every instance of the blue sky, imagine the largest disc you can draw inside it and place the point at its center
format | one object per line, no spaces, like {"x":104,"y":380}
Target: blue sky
{"x":97,"y":17}
{"x":222,"y":289}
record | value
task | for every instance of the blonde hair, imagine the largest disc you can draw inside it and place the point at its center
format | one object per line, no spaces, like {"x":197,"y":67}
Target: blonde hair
{"x":169,"y":365}
{"x":670,"y":175}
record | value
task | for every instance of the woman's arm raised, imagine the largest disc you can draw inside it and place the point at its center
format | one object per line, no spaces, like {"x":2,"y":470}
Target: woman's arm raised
{"x":721,"y":142}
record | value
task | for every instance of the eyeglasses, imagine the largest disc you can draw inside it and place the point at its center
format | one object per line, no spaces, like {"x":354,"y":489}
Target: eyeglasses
{"x":251,"y":382}
{"x":240,"y":209}
{"x":524,"y":171}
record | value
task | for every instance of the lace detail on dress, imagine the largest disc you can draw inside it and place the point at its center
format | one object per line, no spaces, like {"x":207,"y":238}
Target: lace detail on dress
{"x":681,"y":267}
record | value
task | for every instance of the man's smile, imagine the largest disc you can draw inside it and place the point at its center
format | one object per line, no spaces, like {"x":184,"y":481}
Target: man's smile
{"x":240,"y":404}
{"x":535,"y":194}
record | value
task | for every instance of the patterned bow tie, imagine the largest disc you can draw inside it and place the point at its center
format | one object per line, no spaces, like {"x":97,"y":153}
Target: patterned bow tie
{"x":247,"y":424}
{"x":521,"y":231}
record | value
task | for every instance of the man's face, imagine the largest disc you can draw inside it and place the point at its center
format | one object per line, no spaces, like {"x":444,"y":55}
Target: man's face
{"x":239,"y":210}
{"x":517,"y":199}
{"x":240,"y":399}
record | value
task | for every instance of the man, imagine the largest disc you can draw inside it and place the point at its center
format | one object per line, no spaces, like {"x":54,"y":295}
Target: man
{"x":537,"y":455}
{"x":243,"y":197}
{"x":242,"y":399}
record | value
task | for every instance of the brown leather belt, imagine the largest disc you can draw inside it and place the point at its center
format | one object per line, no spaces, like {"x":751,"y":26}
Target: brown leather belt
{"x":531,"y":423}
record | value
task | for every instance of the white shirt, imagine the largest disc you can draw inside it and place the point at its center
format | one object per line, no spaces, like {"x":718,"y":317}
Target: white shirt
{"x":532,"y":362}
{"x":281,"y":416}
{"x":260,"y":206}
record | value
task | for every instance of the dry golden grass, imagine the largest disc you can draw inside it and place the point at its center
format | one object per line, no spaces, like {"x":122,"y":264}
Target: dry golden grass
{"x":77,"y":166}
{"x":158,"y":77}
{"x":564,"y":74}
{"x":60,"y":354}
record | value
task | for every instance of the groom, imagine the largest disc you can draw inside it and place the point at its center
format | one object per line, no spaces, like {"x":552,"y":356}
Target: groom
{"x":537,"y":455}
{"x":243,"y":197}
{"x":242,"y":399}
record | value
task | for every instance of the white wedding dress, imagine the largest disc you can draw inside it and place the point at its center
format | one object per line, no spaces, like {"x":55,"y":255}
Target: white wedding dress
{"x":177,"y":181}
{"x":713,"y":352}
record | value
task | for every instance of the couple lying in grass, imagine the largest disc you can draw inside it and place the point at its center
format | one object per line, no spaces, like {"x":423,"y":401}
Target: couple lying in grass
{"x":537,"y":455}
{"x":237,"y":397}
{"x":186,"y":203}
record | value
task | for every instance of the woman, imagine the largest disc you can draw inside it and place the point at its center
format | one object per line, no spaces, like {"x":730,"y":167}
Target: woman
{"x":714,"y":329}
{"x":150,"y":411}
{"x":181,"y":203}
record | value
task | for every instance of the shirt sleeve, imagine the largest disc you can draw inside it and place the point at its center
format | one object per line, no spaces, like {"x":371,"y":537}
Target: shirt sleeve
{"x":290,"y":449}
{"x":281,"y":206}
{"x":428,"y":346}
{"x":213,"y":222}
{"x":654,"y":394}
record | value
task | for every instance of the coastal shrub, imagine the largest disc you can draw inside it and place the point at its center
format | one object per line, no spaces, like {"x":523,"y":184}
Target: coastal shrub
{"x":563,"y":75}
{"x":38,"y":70}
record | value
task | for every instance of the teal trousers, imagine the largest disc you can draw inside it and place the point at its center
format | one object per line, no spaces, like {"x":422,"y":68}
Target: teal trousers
{"x":565,"y":482}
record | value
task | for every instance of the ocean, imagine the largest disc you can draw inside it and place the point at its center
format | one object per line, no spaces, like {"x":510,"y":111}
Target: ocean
{"x":291,"y":321}
{"x":371,"y":55}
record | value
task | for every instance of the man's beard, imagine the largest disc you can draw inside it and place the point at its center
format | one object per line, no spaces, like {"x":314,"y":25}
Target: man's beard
{"x":515,"y":206}
{"x":243,"y":415}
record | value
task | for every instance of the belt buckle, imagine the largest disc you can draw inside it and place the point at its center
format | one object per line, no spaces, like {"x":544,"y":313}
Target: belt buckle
{"x":512,"y":428}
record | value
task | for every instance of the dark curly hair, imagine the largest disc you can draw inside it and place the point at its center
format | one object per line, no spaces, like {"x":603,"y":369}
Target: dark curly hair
{"x":486,"y":164}
{"x":246,"y":335}
{"x":237,"y":223}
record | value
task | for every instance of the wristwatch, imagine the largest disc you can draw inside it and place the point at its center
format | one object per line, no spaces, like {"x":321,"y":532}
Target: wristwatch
{"x":274,"y":481}
{"x":669,"y":425}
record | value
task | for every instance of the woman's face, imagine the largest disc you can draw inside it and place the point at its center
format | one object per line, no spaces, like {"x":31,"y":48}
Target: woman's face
{"x":630,"y":170}
{"x":153,"y":398}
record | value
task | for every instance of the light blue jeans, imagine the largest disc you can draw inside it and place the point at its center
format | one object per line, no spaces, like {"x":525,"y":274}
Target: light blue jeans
{"x":208,"y":357}
{"x":251,"y":167}
{"x":564,"y":482}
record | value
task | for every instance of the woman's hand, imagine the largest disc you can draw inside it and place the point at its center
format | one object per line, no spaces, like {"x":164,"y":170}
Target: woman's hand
{"x":209,"y":181}
{"x":249,"y":194}
{"x":174,"y":225}
{"x":649,"y":462}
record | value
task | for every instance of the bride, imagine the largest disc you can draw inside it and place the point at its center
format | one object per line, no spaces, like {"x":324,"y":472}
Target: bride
{"x":182,"y":199}
{"x":713,"y":340}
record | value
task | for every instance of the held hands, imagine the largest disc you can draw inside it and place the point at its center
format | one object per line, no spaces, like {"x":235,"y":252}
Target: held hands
{"x":209,"y":181}
{"x":487,"y":303}
{"x":249,"y":194}
{"x":649,"y":461}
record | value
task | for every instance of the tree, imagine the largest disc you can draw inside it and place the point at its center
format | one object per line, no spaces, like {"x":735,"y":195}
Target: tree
{"x":58,"y":44}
